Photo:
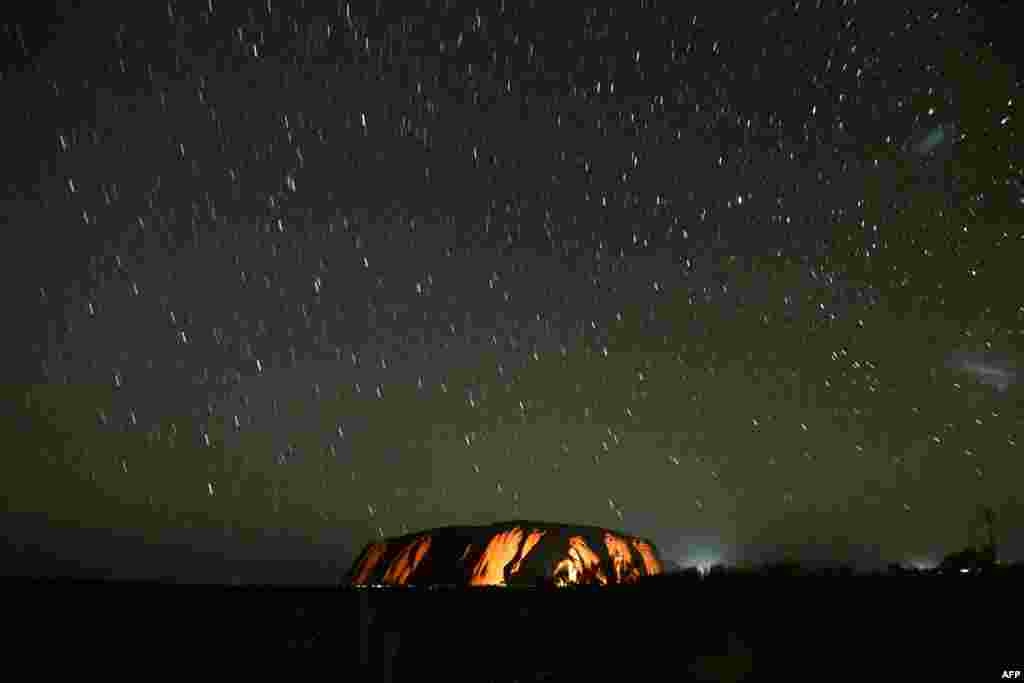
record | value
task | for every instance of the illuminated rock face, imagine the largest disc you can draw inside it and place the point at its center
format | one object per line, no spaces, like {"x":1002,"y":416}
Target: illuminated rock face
{"x":507,"y":554}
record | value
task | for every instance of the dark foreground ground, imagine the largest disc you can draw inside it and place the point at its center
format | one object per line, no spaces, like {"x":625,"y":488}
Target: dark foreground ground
{"x":753,"y":628}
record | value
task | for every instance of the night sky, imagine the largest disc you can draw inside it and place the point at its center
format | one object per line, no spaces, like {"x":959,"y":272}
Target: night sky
{"x":290,"y":278}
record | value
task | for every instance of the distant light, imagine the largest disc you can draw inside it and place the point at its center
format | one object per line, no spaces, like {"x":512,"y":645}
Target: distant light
{"x":965,"y":571}
{"x":924,"y":564}
{"x":702,"y":557}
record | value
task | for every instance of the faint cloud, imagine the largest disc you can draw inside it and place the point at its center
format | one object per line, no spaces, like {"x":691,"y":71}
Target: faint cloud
{"x":985,"y":367}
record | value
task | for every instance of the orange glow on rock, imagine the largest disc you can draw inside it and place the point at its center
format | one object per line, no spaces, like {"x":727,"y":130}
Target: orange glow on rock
{"x":500,"y":552}
{"x":508,"y":553}
{"x":373,"y":555}
{"x":622,"y":558}
{"x":531,"y":541}
{"x":582,"y":566}
{"x":650,"y":558}
{"x":407,"y":560}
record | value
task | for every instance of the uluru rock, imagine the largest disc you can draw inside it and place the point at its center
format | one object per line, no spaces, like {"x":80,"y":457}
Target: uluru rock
{"x":516,"y":553}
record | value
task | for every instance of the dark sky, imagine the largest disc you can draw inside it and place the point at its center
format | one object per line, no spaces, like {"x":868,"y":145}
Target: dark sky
{"x":291,"y":278}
